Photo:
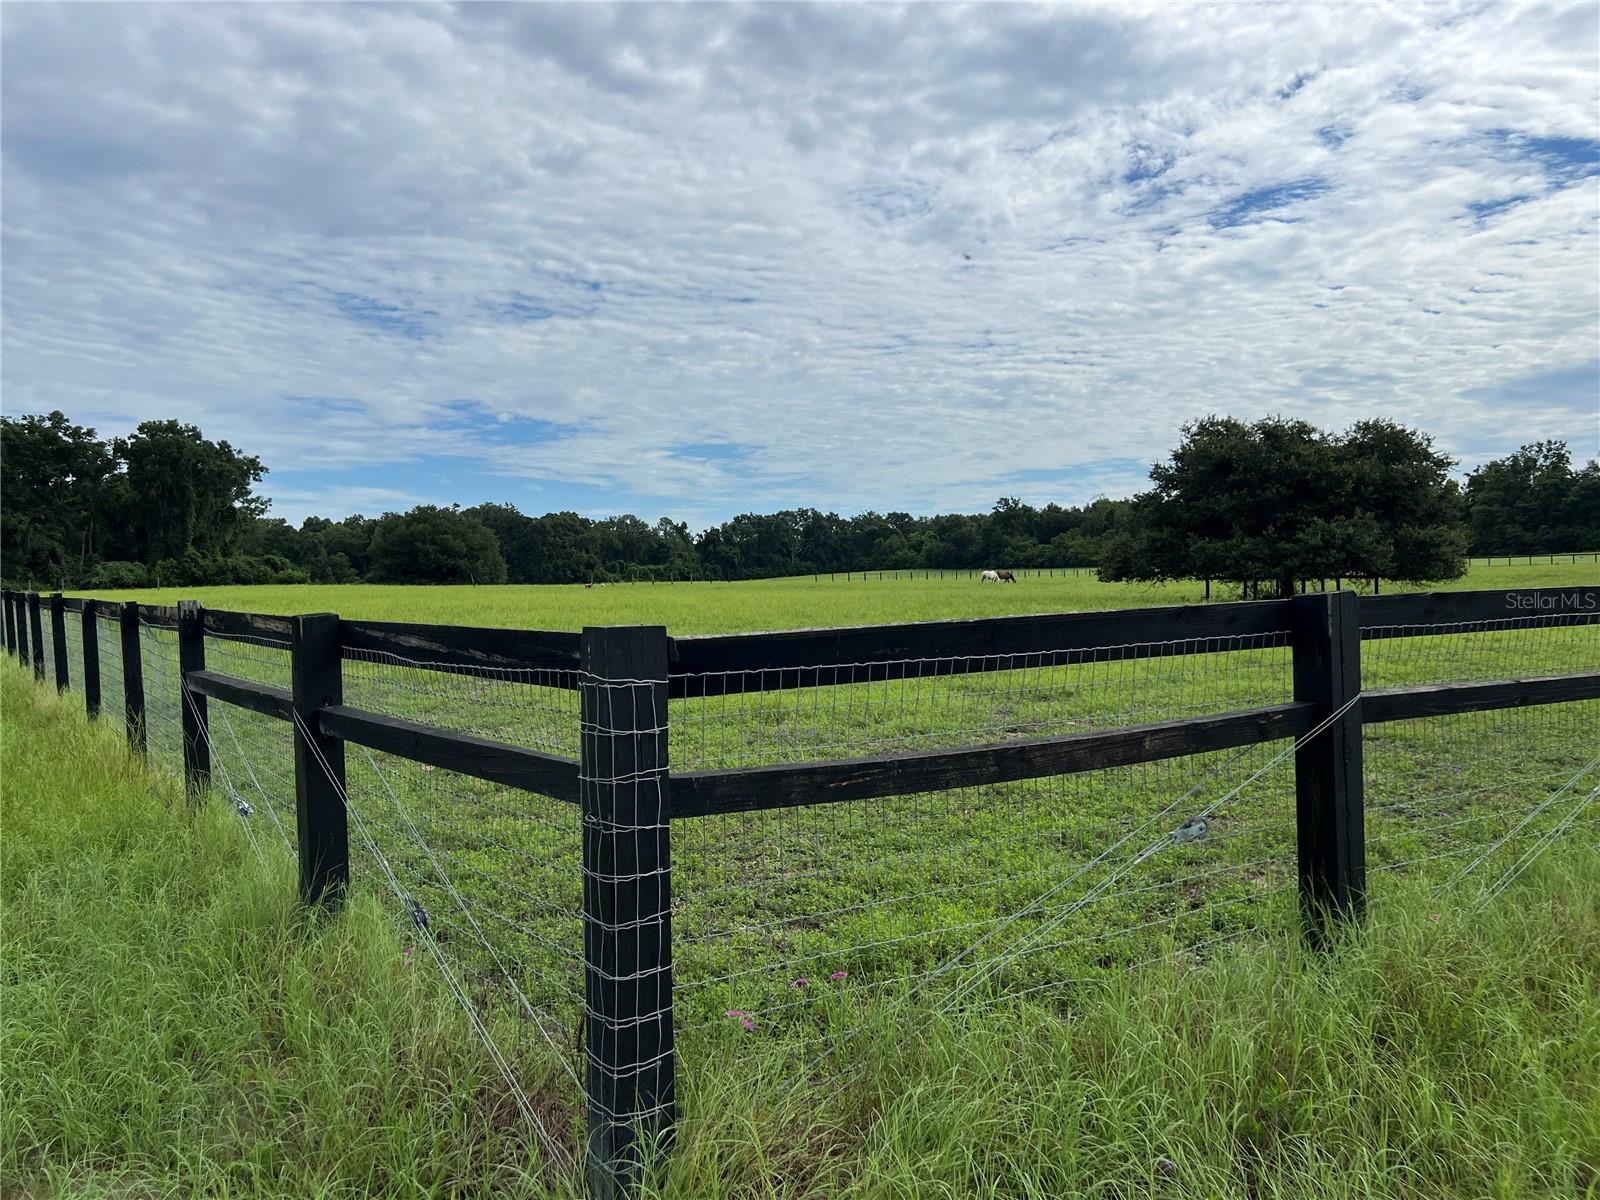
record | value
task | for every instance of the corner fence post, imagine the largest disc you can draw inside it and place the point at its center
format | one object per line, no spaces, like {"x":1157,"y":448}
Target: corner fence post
{"x":1326,"y":635}
{"x":132,"y":678}
{"x":192,"y":705}
{"x":37,"y":626}
{"x":627,"y":902}
{"x":322,"y":831}
{"x":91,"y":658}
{"x":58,"y":640}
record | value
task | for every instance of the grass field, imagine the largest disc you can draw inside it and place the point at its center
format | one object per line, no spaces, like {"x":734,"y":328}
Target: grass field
{"x":687,"y":608}
{"x":170,"y":1025}
{"x":900,"y":888}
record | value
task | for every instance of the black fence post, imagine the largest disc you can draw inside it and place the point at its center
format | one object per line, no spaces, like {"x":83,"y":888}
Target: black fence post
{"x":58,"y":640}
{"x":627,"y":902}
{"x":11,"y":622}
{"x":196,"y":718}
{"x":91,"y":658}
{"x":20,"y":620}
{"x":321,"y":824}
{"x":1328,"y":767}
{"x":132,"y":678}
{"x":36,"y":622}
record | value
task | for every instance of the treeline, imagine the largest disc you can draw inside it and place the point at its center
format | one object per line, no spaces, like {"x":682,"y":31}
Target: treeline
{"x":166,"y":507}
{"x":495,"y":543}
{"x":1267,"y":502}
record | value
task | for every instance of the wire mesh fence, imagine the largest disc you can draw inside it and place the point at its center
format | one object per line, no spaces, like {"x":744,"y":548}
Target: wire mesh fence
{"x":861,"y":709}
{"x":158,"y":654}
{"x":796,"y":917}
{"x":525,"y":707}
{"x":774,"y":907}
{"x":72,"y":626}
{"x":487,"y":878}
{"x":1510,"y":647}
{"x":108,"y":640}
{"x":1443,"y":790}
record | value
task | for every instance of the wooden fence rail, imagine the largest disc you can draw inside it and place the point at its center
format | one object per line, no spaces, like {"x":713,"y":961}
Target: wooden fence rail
{"x":622,"y":781}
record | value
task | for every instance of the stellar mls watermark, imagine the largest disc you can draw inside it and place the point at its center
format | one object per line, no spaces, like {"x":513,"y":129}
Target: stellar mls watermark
{"x":1572,"y":600}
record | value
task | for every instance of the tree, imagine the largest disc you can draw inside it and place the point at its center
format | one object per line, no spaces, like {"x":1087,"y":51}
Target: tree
{"x":518,"y":538}
{"x":183,"y":491}
{"x":1279,"y":500}
{"x":1402,"y":514}
{"x":1533,"y":502}
{"x":56,"y":473}
{"x":430,"y":544}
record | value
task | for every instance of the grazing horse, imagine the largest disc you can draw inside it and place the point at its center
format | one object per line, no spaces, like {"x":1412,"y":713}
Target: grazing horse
{"x":991,"y":577}
{"x":1004,"y":577}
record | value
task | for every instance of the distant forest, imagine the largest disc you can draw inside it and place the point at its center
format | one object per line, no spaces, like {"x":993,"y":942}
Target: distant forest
{"x":164,"y":506}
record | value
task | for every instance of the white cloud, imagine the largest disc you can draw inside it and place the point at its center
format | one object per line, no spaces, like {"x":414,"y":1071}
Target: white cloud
{"x":899,"y":257}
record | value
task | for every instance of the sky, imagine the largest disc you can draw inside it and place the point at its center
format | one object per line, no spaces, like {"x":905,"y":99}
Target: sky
{"x":699,"y":260}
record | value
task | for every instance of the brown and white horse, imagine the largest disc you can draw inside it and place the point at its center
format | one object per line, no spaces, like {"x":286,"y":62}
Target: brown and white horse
{"x":998,"y":577}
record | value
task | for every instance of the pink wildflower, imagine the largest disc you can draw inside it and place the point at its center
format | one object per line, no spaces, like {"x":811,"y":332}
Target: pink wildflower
{"x":839,"y":976}
{"x":801,"y":982}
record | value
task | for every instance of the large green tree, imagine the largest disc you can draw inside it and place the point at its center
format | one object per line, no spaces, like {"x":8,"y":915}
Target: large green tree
{"x":1278,"y":500}
{"x":431,"y":544}
{"x":56,"y":474}
{"x":1535,"y":502}
{"x":179,"y":492}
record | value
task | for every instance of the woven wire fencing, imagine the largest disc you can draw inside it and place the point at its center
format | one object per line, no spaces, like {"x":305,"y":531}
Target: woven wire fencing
{"x":163,"y":718}
{"x":782,"y":915}
{"x":252,"y":755}
{"x":108,"y":639}
{"x":1474,"y":792}
{"x":1040,"y":884}
{"x":486,"y":877}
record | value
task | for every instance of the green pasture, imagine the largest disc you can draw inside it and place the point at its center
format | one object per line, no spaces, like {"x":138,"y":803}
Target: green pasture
{"x":171,"y":1025}
{"x":1028,"y":877}
{"x":798,"y":603}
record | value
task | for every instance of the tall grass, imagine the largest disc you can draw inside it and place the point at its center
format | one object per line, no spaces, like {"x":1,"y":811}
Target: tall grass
{"x":171,"y":1025}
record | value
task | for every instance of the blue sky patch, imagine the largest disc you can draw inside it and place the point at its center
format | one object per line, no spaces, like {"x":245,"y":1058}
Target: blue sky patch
{"x":389,"y":318}
{"x":712,"y":451}
{"x":1576,"y":387}
{"x":1078,"y":473}
{"x":1260,"y":203}
{"x":1565,"y":159}
{"x":1484,"y":209}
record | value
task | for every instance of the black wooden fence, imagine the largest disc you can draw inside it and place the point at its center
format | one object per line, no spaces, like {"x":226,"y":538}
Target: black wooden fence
{"x":630,"y":798}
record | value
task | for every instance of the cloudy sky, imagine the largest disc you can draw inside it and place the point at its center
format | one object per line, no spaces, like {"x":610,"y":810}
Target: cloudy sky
{"x":700,"y":260}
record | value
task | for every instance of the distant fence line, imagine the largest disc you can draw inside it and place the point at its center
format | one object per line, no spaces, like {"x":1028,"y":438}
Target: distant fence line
{"x":1533,"y":560}
{"x":627,"y":800}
